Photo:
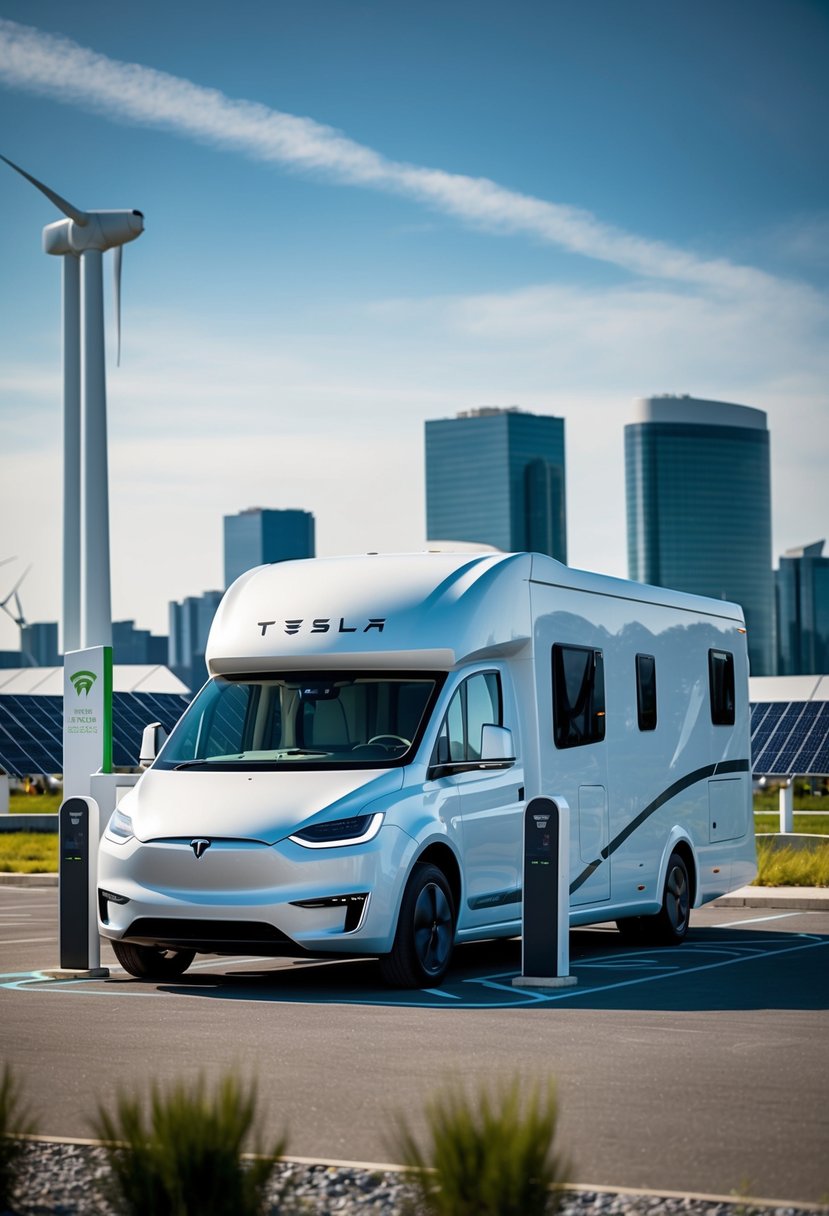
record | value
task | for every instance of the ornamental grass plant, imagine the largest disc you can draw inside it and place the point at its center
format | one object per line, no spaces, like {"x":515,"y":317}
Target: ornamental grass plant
{"x":185,"y":1158}
{"x":487,"y":1154}
{"x":15,"y":1122}
{"x":790,"y":867}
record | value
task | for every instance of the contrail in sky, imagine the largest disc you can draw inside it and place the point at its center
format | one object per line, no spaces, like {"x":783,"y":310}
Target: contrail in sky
{"x":60,"y":68}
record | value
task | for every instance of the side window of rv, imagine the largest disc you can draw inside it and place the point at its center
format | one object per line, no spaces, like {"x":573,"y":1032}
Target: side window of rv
{"x":721,"y":687}
{"x":646,"y":691}
{"x":578,"y":696}
{"x":476,"y":703}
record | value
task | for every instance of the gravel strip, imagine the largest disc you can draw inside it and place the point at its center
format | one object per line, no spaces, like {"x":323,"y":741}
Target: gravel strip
{"x":64,"y":1180}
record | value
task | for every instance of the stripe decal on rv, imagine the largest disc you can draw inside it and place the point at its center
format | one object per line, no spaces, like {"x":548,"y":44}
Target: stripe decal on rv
{"x":700,"y":774}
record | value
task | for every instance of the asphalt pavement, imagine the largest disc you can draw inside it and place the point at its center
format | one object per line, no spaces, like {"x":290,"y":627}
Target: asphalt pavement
{"x":698,"y":1069}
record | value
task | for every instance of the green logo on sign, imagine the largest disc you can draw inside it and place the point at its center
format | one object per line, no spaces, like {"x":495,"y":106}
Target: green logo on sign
{"x":82,"y":681}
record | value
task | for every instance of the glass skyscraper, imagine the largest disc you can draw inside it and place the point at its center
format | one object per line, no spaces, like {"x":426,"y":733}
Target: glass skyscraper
{"x":496,"y":477}
{"x":258,"y":536}
{"x":802,"y":592}
{"x":699,"y":507}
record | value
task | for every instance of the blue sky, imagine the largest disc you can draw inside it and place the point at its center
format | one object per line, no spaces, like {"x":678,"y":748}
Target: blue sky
{"x":363,"y":215}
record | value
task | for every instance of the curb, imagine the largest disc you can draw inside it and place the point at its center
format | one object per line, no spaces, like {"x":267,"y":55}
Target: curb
{"x":801,"y":899}
{"x":565,"y":1188}
{"x":8,"y":879}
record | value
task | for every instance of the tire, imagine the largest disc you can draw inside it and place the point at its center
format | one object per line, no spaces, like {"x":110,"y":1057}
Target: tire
{"x":152,"y":962}
{"x":670,"y":925}
{"x":425,"y":933}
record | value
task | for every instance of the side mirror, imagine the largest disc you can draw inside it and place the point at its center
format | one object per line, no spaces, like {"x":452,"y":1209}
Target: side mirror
{"x":496,"y":743}
{"x":152,"y":740}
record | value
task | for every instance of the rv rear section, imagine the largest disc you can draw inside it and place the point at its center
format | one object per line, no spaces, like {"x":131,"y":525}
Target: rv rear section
{"x":351,"y":780}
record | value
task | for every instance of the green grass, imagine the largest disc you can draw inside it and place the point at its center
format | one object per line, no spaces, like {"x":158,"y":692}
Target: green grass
{"x":34,"y":804}
{"x":791,"y":867}
{"x":488,"y":1154}
{"x":28,"y":853}
{"x":815,"y":825}
{"x":769,"y":799}
{"x":185,"y":1158}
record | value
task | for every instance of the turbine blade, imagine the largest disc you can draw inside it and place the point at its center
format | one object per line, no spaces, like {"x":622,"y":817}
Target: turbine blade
{"x":73,"y":213}
{"x":13,"y":591}
{"x":116,"y":266}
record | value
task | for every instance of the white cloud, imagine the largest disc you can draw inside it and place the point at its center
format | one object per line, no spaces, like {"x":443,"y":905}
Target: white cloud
{"x":60,"y":68}
{"x":334,"y":424}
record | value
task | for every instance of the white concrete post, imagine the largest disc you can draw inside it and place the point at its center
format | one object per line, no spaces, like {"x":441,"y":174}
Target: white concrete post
{"x":787,"y":806}
{"x":96,"y":610}
{"x":70,"y":638}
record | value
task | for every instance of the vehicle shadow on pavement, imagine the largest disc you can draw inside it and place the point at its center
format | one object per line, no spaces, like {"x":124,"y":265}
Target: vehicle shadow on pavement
{"x":714,"y":969}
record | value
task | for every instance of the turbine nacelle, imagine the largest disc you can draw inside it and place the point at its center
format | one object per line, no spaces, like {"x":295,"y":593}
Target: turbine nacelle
{"x":102,"y":230}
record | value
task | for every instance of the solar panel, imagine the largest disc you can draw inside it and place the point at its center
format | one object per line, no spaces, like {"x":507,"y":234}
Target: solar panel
{"x":790,"y":738}
{"x":764,"y":720}
{"x":31,"y":729}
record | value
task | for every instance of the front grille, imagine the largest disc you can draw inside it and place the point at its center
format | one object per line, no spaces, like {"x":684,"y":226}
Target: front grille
{"x":210,"y":936}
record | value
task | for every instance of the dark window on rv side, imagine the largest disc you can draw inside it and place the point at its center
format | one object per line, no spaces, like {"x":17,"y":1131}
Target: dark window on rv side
{"x":578,"y":696}
{"x":721,"y":686}
{"x":476,"y":703}
{"x":646,"y":691}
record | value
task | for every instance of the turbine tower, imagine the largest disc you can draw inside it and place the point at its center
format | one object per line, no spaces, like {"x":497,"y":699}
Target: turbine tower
{"x":81,"y":240}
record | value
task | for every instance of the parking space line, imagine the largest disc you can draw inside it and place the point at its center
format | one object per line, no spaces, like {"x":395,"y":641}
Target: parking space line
{"x":23,"y":941}
{"x":756,"y":920}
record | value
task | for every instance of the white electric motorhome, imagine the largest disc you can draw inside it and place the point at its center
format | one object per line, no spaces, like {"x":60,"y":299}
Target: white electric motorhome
{"x":353,"y":776}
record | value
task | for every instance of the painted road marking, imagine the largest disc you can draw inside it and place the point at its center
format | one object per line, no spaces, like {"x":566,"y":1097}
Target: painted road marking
{"x":756,"y":920}
{"x":23,"y":941}
{"x":695,"y":958}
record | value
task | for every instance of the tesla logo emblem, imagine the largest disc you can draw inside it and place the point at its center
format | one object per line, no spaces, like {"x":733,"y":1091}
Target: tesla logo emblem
{"x":199,"y":846}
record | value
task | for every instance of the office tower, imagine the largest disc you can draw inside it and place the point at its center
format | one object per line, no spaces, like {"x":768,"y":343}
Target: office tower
{"x":190,"y":623}
{"x":137,"y":646}
{"x":496,"y":476}
{"x":257,"y":536}
{"x":39,"y":644}
{"x":802,"y":595}
{"x":699,"y":507}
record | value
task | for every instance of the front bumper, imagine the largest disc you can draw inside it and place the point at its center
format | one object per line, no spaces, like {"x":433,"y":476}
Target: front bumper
{"x":246,"y":895}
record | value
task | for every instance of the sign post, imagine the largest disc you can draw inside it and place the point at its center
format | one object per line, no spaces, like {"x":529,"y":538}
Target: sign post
{"x":87,"y":750}
{"x":87,"y":717}
{"x":545,"y":934}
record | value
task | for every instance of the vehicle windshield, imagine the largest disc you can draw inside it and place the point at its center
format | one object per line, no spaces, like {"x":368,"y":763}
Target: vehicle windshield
{"x":297,"y":721}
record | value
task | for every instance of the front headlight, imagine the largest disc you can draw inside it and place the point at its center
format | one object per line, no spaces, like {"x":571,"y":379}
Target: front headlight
{"x":339,"y":832}
{"x":119,"y":828}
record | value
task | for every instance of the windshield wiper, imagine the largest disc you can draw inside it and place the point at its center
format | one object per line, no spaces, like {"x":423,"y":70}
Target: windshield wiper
{"x":191,"y":764}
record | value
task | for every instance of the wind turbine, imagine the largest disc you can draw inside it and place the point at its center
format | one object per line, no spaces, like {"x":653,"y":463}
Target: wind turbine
{"x":81,"y":240}
{"x":16,"y":613}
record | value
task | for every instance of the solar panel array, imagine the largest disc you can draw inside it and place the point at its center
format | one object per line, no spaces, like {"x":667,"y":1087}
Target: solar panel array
{"x":787,"y":737}
{"x":31,"y":729}
{"x":790,"y":738}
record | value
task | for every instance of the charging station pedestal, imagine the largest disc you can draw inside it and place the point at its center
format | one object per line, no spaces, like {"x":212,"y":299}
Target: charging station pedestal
{"x":545,"y":933}
{"x":80,"y":945}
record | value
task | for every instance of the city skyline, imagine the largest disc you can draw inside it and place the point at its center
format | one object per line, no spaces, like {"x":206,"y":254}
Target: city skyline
{"x":580,"y":209}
